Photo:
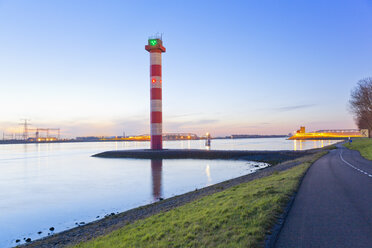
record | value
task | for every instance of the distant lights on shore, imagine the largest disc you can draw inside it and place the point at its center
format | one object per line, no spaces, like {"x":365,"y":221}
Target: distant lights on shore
{"x":208,"y":141}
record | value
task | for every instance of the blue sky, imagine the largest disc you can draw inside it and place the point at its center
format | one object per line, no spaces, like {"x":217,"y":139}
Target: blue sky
{"x":231,"y":67}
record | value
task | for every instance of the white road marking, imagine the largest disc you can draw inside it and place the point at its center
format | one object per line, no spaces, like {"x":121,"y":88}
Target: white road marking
{"x":352,"y":166}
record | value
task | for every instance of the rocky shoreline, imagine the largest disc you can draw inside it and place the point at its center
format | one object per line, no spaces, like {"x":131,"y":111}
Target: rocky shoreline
{"x":116,"y":221}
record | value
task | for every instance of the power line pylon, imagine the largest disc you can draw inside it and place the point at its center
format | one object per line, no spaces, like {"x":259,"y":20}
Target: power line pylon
{"x":25,"y":128}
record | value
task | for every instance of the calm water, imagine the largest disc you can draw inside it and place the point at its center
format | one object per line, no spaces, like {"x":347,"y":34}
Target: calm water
{"x":58,"y":185}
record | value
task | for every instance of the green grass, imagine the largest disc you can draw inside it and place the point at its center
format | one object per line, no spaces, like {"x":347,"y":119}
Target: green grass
{"x":363,"y":145}
{"x":237,"y":217}
{"x":330,"y":147}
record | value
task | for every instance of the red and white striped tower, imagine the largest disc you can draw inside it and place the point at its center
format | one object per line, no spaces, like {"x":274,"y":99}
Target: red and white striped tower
{"x":155,"y":47}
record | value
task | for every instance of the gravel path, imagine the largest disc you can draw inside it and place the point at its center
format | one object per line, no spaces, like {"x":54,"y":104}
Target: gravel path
{"x":111,"y":223}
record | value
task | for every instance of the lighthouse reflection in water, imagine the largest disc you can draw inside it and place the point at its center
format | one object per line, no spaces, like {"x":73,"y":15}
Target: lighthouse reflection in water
{"x":156,"y":173}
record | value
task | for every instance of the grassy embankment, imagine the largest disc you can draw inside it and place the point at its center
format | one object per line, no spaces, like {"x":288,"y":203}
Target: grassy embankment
{"x":364,"y":146}
{"x":236,"y":217}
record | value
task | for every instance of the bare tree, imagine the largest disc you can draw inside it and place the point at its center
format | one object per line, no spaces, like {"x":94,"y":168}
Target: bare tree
{"x":361,"y":104}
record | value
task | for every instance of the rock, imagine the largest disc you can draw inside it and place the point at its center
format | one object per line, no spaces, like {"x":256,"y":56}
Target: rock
{"x":97,"y":216}
{"x":28,"y":240}
{"x":82,"y":223}
{"x":160,"y":198}
{"x":112,"y":214}
{"x":17,"y":241}
{"x":51,"y":229}
{"x":39,"y":232}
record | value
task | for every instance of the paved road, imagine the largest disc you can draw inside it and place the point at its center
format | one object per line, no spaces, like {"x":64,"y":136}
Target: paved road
{"x":333,"y":207}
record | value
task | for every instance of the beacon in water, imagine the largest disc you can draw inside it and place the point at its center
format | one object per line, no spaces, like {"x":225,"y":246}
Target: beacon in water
{"x":155,"y":48}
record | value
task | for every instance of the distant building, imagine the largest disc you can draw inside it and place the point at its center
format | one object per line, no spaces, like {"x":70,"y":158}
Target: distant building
{"x":146,"y":137}
{"x":180,"y":136}
{"x":88,"y":138}
{"x":326,"y":134}
{"x":301,"y":130}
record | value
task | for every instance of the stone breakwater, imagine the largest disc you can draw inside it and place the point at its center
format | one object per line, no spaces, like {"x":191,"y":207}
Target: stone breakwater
{"x":271,"y":157}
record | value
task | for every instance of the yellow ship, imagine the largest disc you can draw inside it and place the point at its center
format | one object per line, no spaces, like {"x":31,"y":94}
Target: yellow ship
{"x":328,"y":134}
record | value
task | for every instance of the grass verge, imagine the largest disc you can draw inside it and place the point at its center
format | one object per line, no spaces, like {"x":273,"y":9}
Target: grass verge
{"x":363,"y":145}
{"x":237,"y":217}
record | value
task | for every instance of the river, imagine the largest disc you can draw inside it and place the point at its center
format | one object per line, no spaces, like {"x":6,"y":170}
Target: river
{"x":59,"y":184}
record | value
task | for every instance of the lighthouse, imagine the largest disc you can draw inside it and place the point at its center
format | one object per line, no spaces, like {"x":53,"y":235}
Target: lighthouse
{"x":155,"y":48}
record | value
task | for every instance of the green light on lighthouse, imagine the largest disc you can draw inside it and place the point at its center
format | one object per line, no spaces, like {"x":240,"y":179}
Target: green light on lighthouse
{"x":153,"y":42}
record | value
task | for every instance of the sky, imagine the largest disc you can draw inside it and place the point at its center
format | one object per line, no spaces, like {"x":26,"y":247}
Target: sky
{"x":231,"y":67}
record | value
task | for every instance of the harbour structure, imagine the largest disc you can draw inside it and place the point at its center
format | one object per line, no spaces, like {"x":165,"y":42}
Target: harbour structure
{"x":146,"y":137}
{"x":155,"y":48}
{"x":50,"y":134}
{"x":327,"y":134}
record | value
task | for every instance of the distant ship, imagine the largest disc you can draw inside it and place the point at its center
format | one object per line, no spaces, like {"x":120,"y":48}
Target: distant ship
{"x":327,"y":134}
